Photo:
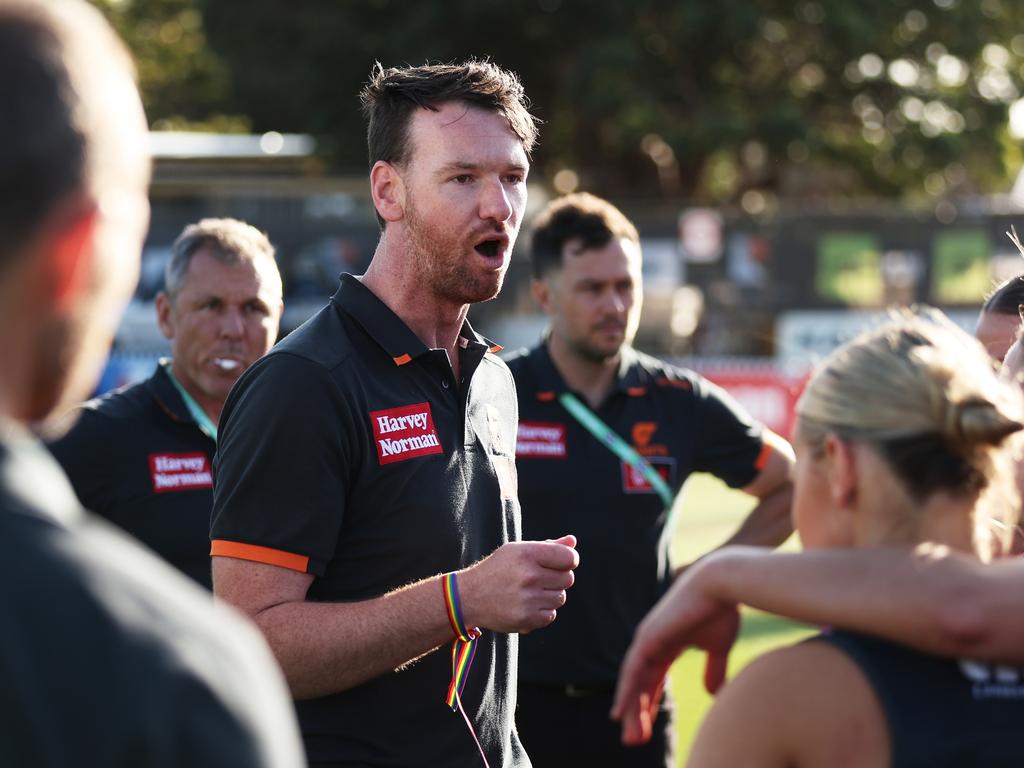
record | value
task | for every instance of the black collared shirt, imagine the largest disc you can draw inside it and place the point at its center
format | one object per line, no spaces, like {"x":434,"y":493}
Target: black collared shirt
{"x":569,"y":482}
{"x":349,"y":453}
{"x":138,"y":458}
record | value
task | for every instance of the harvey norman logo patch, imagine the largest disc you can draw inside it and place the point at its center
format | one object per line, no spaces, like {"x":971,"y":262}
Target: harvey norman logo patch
{"x":179,"y":471}
{"x":542,"y":440}
{"x":404,"y":433}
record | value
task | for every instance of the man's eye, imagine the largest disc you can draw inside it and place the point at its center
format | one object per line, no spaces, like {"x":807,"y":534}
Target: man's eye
{"x":463,"y":178}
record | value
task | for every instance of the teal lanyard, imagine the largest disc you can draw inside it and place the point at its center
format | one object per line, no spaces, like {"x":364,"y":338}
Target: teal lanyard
{"x":205,"y":424}
{"x":617,"y":445}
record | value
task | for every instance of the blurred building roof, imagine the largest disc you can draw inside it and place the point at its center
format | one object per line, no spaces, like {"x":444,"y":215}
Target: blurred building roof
{"x":184,"y":145}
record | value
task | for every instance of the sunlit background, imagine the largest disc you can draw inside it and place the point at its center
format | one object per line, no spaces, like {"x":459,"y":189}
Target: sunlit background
{"x":793,"y":168}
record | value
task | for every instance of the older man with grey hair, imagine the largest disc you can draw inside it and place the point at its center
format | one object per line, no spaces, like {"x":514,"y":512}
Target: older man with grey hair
{"x":141,"y":457}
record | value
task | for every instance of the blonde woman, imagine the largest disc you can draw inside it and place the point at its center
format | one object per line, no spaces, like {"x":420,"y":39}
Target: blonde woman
{"x":901,"y":439}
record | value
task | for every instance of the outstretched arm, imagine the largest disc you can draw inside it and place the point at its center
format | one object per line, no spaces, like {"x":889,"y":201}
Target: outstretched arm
{"x":929,"y":598}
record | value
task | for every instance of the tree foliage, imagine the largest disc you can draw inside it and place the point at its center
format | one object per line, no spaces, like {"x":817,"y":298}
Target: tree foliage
{"x":184,"y":83}
{"x":704,"y":100}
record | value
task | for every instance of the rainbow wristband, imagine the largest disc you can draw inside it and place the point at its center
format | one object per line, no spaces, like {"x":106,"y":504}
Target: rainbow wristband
{"x":454,"y":607}
{"x":464,"y":646}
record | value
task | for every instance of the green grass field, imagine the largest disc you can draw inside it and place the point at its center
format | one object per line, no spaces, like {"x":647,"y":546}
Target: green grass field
{"x":707,"y":513}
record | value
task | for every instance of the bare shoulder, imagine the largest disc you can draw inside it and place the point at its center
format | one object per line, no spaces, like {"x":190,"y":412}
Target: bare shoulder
{"x":803,"y":705}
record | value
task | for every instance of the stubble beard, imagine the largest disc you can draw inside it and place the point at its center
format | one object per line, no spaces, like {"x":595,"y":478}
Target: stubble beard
{"x":593,"y":354}
{"x":438,"y":260}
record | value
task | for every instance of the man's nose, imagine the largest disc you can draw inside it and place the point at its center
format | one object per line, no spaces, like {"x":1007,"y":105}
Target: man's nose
{"x":232,"y":324}
{"x":494,"y":203}
{"x":614,"y":301}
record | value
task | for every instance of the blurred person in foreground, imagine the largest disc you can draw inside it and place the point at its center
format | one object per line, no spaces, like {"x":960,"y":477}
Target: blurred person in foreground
{"x":902,"y":438}
{"x":365,"y":509}
{"x":586,"y":261}
{"x":107,"y":655}
{"x":142,"y":456}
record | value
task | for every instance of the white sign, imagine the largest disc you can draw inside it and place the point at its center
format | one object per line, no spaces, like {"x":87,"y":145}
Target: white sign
{"x":700,"y":233}
{"x":804,"y":337}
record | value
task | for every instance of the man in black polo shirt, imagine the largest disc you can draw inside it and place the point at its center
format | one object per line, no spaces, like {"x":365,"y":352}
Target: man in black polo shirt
{"x":108,"y":657}
{"x":586,"y":257}
{"x":373,"y":449}
{"x":142,"y":456}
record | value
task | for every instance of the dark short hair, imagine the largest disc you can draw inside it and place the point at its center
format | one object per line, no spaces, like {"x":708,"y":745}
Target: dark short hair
{"x":1006,"y":297}
{"x":391,"y":95}
{"x":580,"y":216}
{"x":42,"y":150}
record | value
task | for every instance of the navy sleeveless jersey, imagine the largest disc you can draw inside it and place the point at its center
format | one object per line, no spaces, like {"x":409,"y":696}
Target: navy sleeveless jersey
{"x":941,"y":712}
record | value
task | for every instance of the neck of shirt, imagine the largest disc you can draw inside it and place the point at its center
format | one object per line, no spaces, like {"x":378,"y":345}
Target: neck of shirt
{"x":201,"y":418}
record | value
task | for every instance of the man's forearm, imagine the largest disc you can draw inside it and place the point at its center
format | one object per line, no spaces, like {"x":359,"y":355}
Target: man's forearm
{"x":930,"y":599}
{"x":324,"y":648}
{"x":769,"y":523}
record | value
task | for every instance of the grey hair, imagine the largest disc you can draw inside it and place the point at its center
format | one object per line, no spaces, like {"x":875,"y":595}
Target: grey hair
{"x":230,"y":241}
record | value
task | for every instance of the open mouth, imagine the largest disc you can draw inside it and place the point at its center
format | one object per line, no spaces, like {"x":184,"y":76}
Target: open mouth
{"x":488,"y":248}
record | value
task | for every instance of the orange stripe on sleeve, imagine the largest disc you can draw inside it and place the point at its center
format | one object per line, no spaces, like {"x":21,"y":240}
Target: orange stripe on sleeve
{"x":402,"y":359}
{"x":762,"y":458}
{"x":258,"y":554}
{"x":545,"y":397}
{"x":495,"y":349}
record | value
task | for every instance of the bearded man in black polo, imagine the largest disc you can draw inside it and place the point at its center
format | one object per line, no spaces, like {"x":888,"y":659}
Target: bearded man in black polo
{"x":365,"y":508}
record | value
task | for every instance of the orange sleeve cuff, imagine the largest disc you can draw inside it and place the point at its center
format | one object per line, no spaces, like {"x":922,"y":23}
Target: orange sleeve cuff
{"x":258,"y":554}
{"x":762,"y":458}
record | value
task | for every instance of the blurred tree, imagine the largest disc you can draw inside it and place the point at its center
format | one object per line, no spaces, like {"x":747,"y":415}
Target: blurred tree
{"x":712,"y":102}
{"x":185,"y":86}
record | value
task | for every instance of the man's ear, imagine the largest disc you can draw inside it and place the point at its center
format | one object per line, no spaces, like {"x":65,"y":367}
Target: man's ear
{"x":165,"y":314}
{"x":69,"y":251}
{"x":541,"y":290}
{"x":841,"y":467}
{"x":388,"y":190}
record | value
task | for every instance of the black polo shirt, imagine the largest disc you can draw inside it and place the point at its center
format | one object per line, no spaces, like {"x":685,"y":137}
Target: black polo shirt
{"x":138,"y":458}
{"x":349,"y":453}
{"x":108,"y":656}
{"x":571,"y":483}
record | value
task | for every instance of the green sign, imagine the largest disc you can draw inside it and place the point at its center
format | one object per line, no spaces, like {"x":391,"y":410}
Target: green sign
{"x":848,"y":269}
{"x":961,"y":273}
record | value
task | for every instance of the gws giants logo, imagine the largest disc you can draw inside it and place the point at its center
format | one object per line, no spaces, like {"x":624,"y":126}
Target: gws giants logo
{"x":179,"y":471}
{"x":993,"y":681}
{"x":404,"y":433}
